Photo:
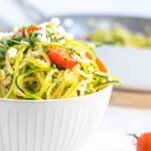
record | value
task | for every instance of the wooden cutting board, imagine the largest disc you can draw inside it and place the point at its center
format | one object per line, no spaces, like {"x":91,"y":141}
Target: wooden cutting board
{"x":131,"y":98}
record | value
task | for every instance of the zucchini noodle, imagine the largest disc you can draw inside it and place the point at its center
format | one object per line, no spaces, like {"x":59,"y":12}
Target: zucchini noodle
{"x":46,"y":63}
{"x":8,"y":66}
{"x":119,"y":36}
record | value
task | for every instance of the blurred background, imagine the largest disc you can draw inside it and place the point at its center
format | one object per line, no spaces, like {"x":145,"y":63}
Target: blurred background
{"x":129,"y":111}
{"x":18,"y":12}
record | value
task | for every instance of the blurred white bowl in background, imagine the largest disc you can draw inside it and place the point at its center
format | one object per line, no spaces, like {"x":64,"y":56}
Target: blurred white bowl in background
{"x":131,"y":65}
{"x":50,"y":125}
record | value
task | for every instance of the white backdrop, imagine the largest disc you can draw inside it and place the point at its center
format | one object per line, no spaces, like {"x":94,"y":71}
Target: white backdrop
{"x":10,"y":10}
{"x":111,"y":135}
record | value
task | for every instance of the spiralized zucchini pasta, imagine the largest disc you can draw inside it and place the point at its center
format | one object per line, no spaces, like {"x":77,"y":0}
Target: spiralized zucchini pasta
{"x":43,"y":62}
{"x":119,"y":36}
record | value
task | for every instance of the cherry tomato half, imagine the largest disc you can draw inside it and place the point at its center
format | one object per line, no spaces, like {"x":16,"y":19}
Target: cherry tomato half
{"x":88,"y":55}
{"x":61,"y":57}
{"x":99,"y":63}
{"x":29,"y":30}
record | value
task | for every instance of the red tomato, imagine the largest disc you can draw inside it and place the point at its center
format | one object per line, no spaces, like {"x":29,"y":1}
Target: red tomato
{"x":29,"y":30}
{"x":88,"y":55}
{"x":144,"y":142}
{"x":101,"y":65}
{"x":61,"y":57}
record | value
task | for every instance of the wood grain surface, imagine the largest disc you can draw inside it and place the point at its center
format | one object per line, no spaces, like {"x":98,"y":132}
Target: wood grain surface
{"x":131,"y":98}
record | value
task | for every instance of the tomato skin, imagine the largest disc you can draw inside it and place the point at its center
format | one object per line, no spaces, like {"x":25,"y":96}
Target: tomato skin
{"x":29,"y":30}
{"x":144,"y":142}
{"x":101,"y":65}
{"x":61,"y":57}
{"x":88,"y":56}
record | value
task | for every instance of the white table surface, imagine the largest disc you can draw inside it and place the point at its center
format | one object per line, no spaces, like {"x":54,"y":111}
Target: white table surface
{"x":118,"y":122}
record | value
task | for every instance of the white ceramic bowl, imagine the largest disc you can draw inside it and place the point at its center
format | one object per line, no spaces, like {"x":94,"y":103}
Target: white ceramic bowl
{"x":50,"y":125}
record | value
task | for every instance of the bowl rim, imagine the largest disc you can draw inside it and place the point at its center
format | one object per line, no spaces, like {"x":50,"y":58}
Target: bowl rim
{"x":56,"y":100}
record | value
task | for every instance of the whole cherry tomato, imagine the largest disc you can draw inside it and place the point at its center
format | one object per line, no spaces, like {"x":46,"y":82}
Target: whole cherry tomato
{"x":144,"y":142}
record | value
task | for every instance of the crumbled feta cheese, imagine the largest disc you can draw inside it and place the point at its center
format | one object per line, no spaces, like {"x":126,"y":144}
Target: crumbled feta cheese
{"x":43,"y":26}
{"x":18,"y":92}
{"x":18,"y":34}
{"x":1,"y":35}
{"x":12,"y":52}
{"x":7,"y":80}
{"x":81,"y":58}
{"x":41,"y":61}
{"x":6,"y":35}
{"x":42,"y":36}
{"x":2,"y":75}
{"x":10,"y":35}
{"x":61,"y":30}
{"x":58,"y":31}
{"x":24,"y":42}
{"x":55,"y":21}
{"x":82,"y":88}
{"x":62,"y":41}
{"x":16,"y":29}
{"x":41,"y":32}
